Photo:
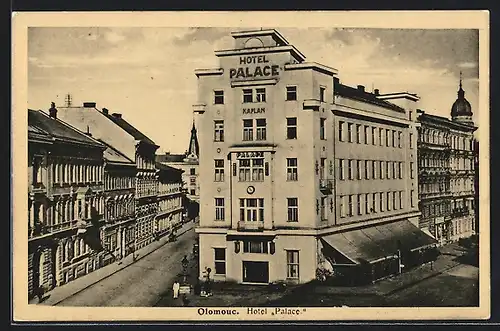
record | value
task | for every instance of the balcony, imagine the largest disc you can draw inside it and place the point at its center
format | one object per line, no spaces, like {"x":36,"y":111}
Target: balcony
{"x":311,"y":104}
{"x":250,"y":226}
{"x":199,"y":108}
{"x":37,"y":188}
{"x":457,"y":212}
{"x":326,"y":186}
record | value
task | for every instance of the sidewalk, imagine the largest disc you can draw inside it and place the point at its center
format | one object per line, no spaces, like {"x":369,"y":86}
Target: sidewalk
{"x":60,"y":293}
{"x":237,"y":295}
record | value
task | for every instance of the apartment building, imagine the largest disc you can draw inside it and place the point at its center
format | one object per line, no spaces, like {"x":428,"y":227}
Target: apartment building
{"x":65,"y":178}
{"x":300,"y":170}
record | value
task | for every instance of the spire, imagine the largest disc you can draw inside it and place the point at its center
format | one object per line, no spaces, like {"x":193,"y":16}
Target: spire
{"x":194,"y":148}
{"x":461,"y":92}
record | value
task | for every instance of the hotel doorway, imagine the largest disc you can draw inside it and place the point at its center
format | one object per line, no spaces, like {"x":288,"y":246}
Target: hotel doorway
{"x":256,"y":272}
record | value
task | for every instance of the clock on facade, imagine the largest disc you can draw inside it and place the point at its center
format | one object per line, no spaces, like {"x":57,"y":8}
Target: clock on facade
{"x":250,"y":190}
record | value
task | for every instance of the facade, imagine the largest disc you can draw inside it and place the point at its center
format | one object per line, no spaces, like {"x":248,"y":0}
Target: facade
{"x":447,"y":173}
{"x":170,"y":200}
{"x":188,"y":163}
{"x":65,"y":172}
{"x":476,"y":185}
{"x":119,"y":190}
{"x":134,"y":145}
{"x":301,"y":172}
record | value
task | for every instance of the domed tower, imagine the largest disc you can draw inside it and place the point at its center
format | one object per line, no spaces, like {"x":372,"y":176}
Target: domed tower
{"x":461,"y":111}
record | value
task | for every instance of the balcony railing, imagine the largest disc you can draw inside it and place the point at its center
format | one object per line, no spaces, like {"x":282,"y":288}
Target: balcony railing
{"x":250,"y":226}
{"x":326,"y":186}
{"x":457,"y":212}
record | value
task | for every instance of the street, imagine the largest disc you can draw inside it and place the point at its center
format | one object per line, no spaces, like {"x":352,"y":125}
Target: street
{"x":140,"y":284}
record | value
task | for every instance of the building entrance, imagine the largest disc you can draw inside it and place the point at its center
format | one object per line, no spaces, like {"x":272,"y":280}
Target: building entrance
{"x":256,"y":272}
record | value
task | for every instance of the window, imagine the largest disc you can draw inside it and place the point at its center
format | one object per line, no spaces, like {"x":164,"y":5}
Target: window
{"x":367,"y":169}
{"x":259,"y":247}
{"x":373,"y":135}
{"x":219,"y":170}
{"x":291,"y":169}
{"x":411,"y":170}
{"x":261,"y":129}
{"x":292,"y":264}
{"x":323,"y":209}
{"x":247,"y":95}
{"x":394,"y":174}
{"x":291,"y":93}
{"x":387,"y":137}
{"x":411,"y":140}
{"x":381,"y":200}
{"x":247,"y":130}
{"x":400,"y":199}
{"x":252,"y":210}
{"x":218,"y":130}
{"x":359,"y":204}
{"x":374,"y":169}
{"x":412,"y":204}
{"x":291,"y":128}
{"x":258,"y":170}
{"x":220,"y":261}
{"x":374,"y":202}
{"x":341,"y":169}
{"x":393,"y":138}
{"x":341,"y":206}
{"x":358,"y":133}
{"x":367,"y":202}
{"x":351,"y":211}
{"x":365,"y":138}
{"x":293,"y":209}
{"x":394,"y":205}
{"x":358,"y":169}
{"x":322,"y":135}
{"x":349,"y":169}
{"x":341,"y":131}
{"x":400,"y":170}
{"x":322,"y":94}
{"x":261,"y":95}
{"x":244,"y":166}
{"x":388,"y":169}
{"x":192,"y":180}
{"x":349,"y":132}
{"x":388,"y":201}
{"x":399,"y":138}
{"x":192,"y":192}
{"x":381,"y":170}
{"x":219,"y":97}
{"x":219,"y":209}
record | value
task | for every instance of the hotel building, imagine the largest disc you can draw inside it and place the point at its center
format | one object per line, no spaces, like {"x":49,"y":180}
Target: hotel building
{"x":300,"y":171}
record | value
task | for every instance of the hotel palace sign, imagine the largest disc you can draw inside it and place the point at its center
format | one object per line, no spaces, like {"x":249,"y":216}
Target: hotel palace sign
{"x":248,"y":71}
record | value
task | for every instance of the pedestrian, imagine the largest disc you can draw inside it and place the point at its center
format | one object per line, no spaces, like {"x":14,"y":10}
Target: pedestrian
{"x":175,"y":288}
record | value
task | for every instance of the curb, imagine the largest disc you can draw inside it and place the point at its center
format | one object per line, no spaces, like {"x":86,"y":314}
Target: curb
{"x":118,"y":270}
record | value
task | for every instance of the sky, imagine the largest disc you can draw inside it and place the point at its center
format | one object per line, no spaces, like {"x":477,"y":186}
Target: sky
{"x":147,"y":74}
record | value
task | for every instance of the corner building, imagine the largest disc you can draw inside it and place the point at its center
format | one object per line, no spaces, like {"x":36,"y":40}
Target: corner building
{"x":299,"y":171}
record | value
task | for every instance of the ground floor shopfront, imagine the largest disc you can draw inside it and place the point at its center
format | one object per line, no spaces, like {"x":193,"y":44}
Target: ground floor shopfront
{"x":54,"y":261}
{"x":449,"y":229}
{"x":298,"y":256}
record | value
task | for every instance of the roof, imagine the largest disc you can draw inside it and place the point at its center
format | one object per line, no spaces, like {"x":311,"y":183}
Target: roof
{"x":130,"y":129}
{"x":39,"y":122}
{"x":446,"y":121}
{"x":356,"y":94}
{"x":113,"y":155}
{"x":170,"y":157}
{"x":165,"y":167}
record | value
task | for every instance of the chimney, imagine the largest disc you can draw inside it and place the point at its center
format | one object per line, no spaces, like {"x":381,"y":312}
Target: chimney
{"x":117,"y":115}
{"x":361,"y":88}
{"x":105,"y":111}
{"x":89,"y":104}
{"x":53,"y":111}
{"x":376,"y":91}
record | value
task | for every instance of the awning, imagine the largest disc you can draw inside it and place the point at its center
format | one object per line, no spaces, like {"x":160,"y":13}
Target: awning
{"x":378,"y":242}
